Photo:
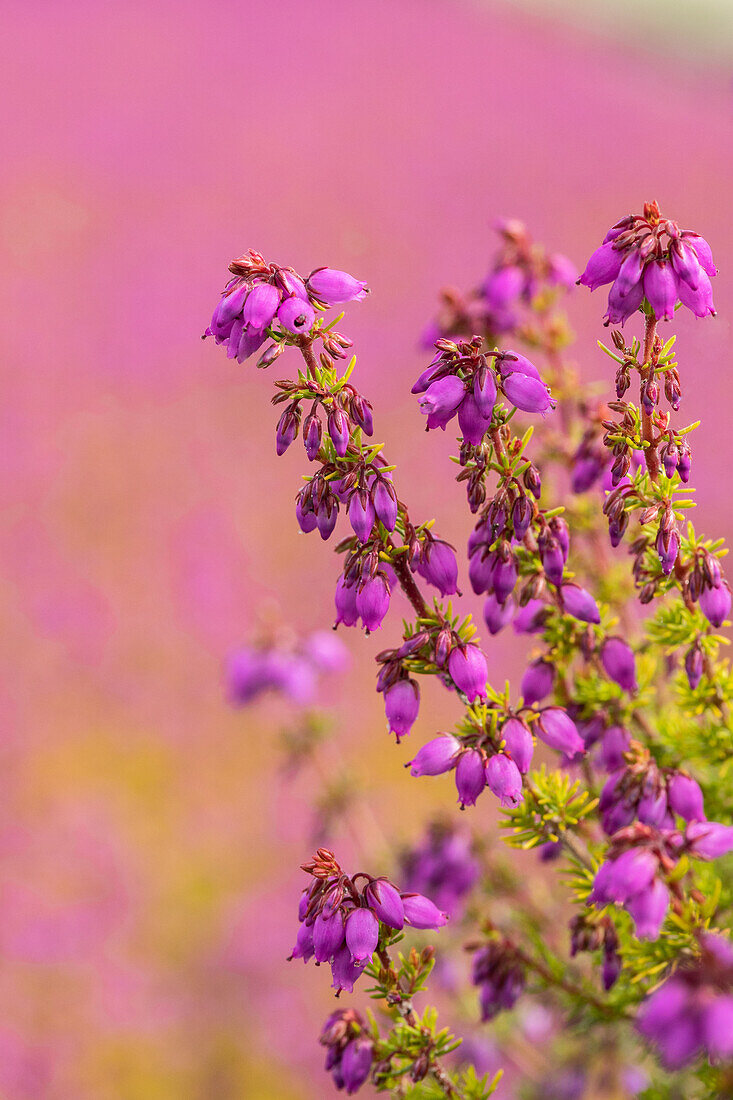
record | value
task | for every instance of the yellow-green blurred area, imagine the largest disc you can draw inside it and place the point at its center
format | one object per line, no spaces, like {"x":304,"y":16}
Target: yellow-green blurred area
{"x":149,"y":841}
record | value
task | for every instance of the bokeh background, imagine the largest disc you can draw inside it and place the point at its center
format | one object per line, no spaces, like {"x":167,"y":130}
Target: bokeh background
{"x":149,"y":842}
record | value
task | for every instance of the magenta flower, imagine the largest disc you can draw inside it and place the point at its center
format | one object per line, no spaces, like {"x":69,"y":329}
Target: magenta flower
{"x":332,"y":287}
{"x":372,"y":601}
{"x":386,"y":902}
{"x":579,"y":603}
{"x":537,"y":682}
{"x":557,"y":729}
{"x":685,"y":797}
{"x":328,"y":935}
{"x":421,"y":912}
{"x":438,"y":566}
{"x":441,"y":400}
{"x":527,"y":393}
{"x":519,"y":743}
{"x":402,"y":704}
{"x":468,"y":670}
{"x":617,"y":658}
{"x":504,"y":779}
{"x":345,"y":600}
{"x":497,"y":615}
{"x":436,"y":757}
{"x":470,"y":777}
{"x":715,"y":604}
{"x":362,"y":935}
{"x":648,"y":909}
{"x":296,"y":315}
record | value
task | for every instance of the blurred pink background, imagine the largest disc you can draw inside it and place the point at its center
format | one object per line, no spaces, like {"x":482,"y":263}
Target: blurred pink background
{"x":148,"y":849}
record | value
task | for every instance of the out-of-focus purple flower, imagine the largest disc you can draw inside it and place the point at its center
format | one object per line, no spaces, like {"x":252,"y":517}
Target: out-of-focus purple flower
{"x":556,"y":728}
{"x":421,"y":912}
{"x":530,"y":618}
{"x":693,"y":1010}
{"x":442,"y":866}
{"x":579,"y":603}
{"x":504,"y":779}
{"x":715,"y":604}
{"x":372,"y":601}
{"x":331,"y":286}
{"x":470,"y":777}
{"x":436,"y":757}
{"x":537,"y":682}
{"x":468,"y":670}
{"x":563,"y":271}
{"x":497,"y":615}
{"x":685,"y":797}
{"x":617,"y":658}
{"x":648,"y":908}
{"x":356,"y":1064}
{"x":614,"y":744}
{"x":694,"y":666}
{"x":518,"y":742}
{"x":326,"y":651}
{"x":251,"y":671}
{"x":402,"y":704}
{"x":621,"y":878}
{"x":503,"y":287}
{"x":709,"y":839}
{"x":438,"y":566}
{"x":499,"y":975}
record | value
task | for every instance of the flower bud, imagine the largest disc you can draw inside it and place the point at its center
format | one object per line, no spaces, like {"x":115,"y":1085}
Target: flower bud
{"x":402,"y":704}
{"x":338,"y":429}
{"x":420,"y":912}
{"x":619,"y":662}
{"x":694,"y":666}
{"x":436,"y":757}
{"x":537,"y":682}
{"x":685,"y":797}
{"x":504,"y":780}
{"x":385,"y":504}
{"x":332,"y":286}
{"x":362,"y":935}
{"x":715,"y":604}
{"x":579,"y":603}
{"x":470,"y":777}
{"x":557,"y":729}
{"x":296,"y":315}
{"x":361,"y":514}
{"x":468,"y":670}
{"x":372,"y":601}
{"x":518,"y":742}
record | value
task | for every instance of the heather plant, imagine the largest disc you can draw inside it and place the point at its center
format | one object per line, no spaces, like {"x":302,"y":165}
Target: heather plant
{"x":582,"y":544}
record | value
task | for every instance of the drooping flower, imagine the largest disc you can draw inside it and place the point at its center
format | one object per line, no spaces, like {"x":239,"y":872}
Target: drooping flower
{"x":469,"y":671}
{"x":617,"y":658}
{"x":499,"y":974}
{"x":402,"y":704}
{"x":504,"y":779}
{"x":442,"y":866}
{"x":333,"y":287}
{"x":537,"y":681}
{"x":556,"y":728}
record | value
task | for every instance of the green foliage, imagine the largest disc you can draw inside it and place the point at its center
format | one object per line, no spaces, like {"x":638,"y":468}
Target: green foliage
{"x":554,"y":804}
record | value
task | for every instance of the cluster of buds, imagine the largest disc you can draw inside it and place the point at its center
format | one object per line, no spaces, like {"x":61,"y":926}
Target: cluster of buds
{"x":341,"y":924}
{"x":642,"y":791}
{"x":499,"y":973}
{"x":520,"y":272}
{"x":260,"y":294}
{"x":496,"y":755}
{"x":440,"y":648}
{"x":590,"y":933}
{"x":442,"y":866}
{"x":343,"y":412}
{"x":647,"y":256}
{"x":640,"y":859}
{"x":464,"y":380}
{"x":693,"y":1010}
{"x":349,"y":1049}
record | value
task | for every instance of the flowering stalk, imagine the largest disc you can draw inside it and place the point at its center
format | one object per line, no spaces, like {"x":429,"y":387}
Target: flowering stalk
{"x":629,"y":726}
